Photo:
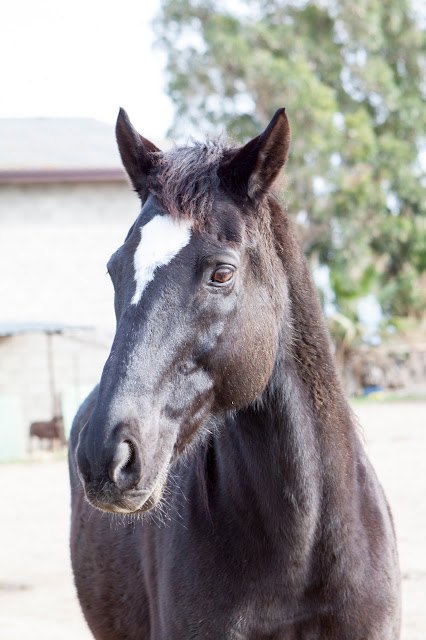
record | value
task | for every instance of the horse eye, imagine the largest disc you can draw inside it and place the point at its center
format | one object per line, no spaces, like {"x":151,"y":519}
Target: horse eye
{"x":222,"y":275}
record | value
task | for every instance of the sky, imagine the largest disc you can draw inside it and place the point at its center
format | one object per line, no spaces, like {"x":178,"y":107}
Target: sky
{"x":84,"y":58}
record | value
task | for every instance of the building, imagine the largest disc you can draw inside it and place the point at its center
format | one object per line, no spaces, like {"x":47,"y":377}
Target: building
{"x":65,"y":206}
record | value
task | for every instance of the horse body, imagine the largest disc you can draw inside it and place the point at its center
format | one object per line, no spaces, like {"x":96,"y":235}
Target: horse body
{"x":49,"y":430}
{"x":221,"y":394}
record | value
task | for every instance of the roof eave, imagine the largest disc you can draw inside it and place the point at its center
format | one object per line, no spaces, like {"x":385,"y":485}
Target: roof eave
{"x":35,"y":176}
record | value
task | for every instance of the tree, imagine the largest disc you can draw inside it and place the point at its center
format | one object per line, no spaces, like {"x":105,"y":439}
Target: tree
{"x":352,"y":76}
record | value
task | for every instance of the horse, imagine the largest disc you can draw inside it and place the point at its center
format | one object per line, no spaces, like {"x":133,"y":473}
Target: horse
{"x":51,"y":430}
{"x":219,"y":434}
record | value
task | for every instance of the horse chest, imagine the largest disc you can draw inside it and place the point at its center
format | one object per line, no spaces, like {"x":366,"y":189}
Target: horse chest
{"x":215,"y":590}
{"x":223,"y":609}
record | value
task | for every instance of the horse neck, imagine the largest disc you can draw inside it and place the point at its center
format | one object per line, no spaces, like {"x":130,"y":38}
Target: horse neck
{"x":305,"y":359}
{"x":297,"y":441}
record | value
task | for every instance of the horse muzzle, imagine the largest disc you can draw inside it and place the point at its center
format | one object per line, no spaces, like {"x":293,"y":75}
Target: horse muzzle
{"x":114,"y":482}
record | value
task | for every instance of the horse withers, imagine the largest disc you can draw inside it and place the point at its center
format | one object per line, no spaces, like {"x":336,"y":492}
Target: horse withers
{"x":220,"y":426}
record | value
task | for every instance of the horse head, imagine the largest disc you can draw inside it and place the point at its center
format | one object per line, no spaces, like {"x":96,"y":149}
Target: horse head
{"x":199,"y":298}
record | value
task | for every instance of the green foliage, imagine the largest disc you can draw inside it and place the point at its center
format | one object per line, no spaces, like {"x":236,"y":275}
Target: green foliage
{"x":352,"y":77}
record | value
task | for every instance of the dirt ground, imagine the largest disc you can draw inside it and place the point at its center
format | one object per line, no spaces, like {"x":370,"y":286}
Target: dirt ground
{"x":37,"y":596}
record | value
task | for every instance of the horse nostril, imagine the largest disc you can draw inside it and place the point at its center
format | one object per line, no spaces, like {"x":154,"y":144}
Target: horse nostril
{"x":125,"y":466}
{"x":130,"y":455}
{"x":122,"y":459}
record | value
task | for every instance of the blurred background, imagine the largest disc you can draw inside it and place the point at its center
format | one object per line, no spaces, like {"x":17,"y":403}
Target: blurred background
{"x":352,"y":77}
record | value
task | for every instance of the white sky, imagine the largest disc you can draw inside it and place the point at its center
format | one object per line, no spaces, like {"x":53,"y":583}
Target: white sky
{"x":84,"y":58}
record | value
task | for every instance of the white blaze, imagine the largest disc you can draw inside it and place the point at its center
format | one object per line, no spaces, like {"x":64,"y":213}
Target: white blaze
{"x":161,"y":240}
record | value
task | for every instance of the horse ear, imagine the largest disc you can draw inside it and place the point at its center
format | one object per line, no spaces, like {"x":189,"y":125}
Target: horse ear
{"x":136,"y":153}
{"x":253,"y":168}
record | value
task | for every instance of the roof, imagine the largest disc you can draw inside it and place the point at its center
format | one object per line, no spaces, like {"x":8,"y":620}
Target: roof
{"x":57,"y":143}
{"x":59,"y":150}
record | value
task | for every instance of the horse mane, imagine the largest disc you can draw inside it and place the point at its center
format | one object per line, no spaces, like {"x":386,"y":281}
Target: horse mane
{"x":184,"y":179}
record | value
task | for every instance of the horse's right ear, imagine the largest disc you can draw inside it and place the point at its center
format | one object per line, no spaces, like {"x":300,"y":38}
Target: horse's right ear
{"x":136,"y":153}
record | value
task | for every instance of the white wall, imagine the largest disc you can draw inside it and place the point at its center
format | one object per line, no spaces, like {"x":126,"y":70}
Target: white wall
{"x":55,"y":241}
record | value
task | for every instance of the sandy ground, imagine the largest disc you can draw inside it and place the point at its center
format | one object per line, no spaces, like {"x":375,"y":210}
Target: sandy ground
{"x":37,"y":596}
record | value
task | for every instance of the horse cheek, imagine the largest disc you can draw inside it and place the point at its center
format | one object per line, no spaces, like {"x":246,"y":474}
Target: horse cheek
{"x":248,"y":359}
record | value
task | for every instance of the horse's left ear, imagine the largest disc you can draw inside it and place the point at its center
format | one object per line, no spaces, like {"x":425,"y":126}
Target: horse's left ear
{"x":136,"y":153}
{"x":253,"y":168}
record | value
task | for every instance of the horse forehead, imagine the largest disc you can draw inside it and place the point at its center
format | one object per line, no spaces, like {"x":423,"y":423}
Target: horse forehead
{"x":161,"y":239}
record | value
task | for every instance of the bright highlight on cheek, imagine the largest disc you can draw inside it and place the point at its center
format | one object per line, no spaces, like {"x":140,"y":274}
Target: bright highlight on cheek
{"x":161,"y":240}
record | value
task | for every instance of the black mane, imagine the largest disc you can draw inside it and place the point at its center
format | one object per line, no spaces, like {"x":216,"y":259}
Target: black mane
{"x":185,"y":179}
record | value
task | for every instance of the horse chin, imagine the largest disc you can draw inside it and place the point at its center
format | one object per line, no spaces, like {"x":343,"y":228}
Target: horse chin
{"x":153,"y":499}
{"x":131,"y":502}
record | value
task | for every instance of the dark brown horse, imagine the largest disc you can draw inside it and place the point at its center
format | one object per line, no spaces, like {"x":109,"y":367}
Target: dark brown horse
{"x":52,"y":430}
{"x":220,"y":412}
